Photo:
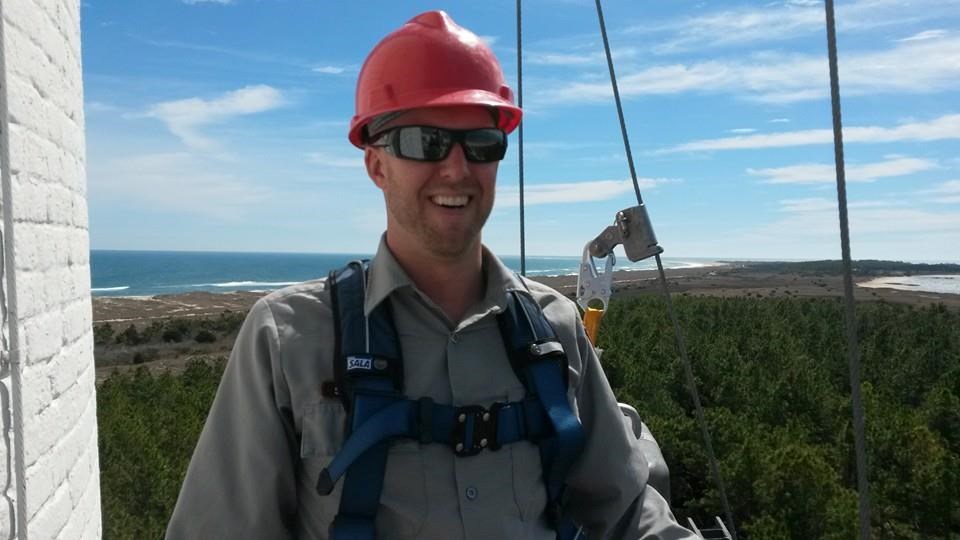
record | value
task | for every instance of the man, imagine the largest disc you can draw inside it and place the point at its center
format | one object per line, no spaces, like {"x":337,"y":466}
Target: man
{"x":433,"y":113}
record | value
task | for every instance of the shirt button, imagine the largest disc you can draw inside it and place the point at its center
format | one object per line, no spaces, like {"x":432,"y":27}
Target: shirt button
{"x":472,"y":493}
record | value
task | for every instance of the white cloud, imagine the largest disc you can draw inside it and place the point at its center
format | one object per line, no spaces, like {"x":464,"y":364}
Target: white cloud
{"x":869,"y":218}
{"x":490,"y":40}
{"x":777,"y":21}
{"x":817,"y":173}
{"x":908,"y":67}
{"x":926,"y":34}
{"x":99,"y":106}
{"x":572,"y":192}
{"x":818,"y":204}
{"x":809,"y":229}
{"x":221,"y":2}
{"x":329,"y":70}
{"x":739,"y":26}
{"x":950,"y":186}
{"x":945,"y":193}
{"x":741,"y":130}
{"x":943,"y":128}
{"x":177,"y":181}
{"x":185,"y":117}
{"x":595,"y":58}
{"x":780,"y":121}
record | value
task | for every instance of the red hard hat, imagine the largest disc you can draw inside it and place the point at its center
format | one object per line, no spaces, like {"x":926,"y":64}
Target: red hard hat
{"x":431,"y":62}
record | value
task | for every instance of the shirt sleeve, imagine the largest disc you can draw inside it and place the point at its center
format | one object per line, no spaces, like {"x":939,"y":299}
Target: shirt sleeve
{"x":241,"y":481}
{"x":608,"y":493}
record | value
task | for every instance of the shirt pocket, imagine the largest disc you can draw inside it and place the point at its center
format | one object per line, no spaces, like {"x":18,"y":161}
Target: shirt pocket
{"x":321,"y":436}
{"x":403,"y":501}
{"x":528,"y":487}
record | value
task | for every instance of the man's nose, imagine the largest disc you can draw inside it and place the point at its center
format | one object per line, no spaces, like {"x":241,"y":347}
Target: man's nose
{"x":455,"y":165}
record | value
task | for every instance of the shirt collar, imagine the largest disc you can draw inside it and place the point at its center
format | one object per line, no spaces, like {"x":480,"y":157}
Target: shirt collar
{"x":386,"y":276}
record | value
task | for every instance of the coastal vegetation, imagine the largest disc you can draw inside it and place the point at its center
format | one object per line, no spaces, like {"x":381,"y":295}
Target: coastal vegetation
{"x":773,"y":378}
{"x":164,"y":338}
{"x":862,"y":267}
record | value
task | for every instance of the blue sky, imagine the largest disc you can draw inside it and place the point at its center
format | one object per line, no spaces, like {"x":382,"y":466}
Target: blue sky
{"x":221,"y":124}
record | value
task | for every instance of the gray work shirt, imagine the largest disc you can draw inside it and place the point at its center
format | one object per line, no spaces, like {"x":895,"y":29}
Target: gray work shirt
{"x":271,"y":431}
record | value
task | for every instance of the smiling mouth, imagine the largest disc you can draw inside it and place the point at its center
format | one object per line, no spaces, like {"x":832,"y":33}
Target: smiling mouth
{"x":447,"y":201}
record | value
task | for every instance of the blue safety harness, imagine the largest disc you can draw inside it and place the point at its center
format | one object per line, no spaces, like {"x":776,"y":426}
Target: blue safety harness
{"x":368,"y":374}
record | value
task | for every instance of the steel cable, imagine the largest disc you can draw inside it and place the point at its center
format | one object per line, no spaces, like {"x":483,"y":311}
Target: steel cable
{"x":853,"y":347}
{"x":523,"y":247}
{"x":681,"y":346}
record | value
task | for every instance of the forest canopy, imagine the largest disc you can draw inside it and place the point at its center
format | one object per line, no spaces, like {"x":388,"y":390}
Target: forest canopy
{"x":772,"y":375}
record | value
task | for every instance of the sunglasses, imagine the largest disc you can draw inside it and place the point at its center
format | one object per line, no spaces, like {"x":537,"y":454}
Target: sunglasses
{"x":428,"y":143}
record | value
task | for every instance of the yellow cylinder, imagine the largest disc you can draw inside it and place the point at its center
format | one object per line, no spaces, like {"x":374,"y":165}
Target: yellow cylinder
{"x":591,"y":323}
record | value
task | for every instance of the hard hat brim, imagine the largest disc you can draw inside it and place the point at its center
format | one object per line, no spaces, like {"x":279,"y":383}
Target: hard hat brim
{"x":509,"y":115}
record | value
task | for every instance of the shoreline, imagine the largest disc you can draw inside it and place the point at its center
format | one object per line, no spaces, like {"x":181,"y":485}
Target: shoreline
{"x":194,"y":308}
{"x":723,"y":280}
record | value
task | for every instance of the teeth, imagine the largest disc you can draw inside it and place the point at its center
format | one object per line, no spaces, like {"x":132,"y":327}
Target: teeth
{"x":450,"y":201}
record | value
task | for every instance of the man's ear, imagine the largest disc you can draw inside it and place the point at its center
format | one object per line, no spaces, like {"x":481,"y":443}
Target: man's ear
{"x":375,"y":166}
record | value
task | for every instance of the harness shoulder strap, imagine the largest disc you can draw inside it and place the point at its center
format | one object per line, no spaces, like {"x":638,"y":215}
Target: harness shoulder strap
{"x":368,"y":372}
{"x":540,"y":363}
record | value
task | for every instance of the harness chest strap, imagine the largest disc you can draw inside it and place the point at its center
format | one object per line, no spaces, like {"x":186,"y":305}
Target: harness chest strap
{"x":467,"y":430}
{"x":369,"y":378}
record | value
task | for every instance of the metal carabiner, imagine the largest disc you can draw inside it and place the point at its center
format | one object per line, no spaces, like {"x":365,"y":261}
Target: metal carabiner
{"x":591,"y":286}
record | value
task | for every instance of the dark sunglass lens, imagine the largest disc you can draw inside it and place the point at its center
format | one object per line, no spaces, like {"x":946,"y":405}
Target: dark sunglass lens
{"x":485,"y":144}
{"x":408,"y":143}
{"x":423,"y":143}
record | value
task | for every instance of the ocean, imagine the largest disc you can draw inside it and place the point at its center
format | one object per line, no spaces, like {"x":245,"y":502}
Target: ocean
{"x":949,"y":284}
{"x":148,"y":273}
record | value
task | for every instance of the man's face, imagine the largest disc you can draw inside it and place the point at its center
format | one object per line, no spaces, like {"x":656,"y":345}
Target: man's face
{"x":435,"y":208}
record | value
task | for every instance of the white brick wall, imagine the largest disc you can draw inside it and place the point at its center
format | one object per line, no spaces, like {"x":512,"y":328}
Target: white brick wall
{"x":49,"y":469}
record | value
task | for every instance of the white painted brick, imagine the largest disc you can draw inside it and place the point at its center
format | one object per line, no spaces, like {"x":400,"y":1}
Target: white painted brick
{"x":77,"y":320}
{"x":50,"y":520}
{"x":28,"y":154}
{"x":49,"y":213}
{"x":29,"y":204}
{"x":29,"y":248}
{"x":57,"y":427}
{"x":39,"y":44}
{"x":64,"y":24}
{"x":30,"y":294}
{"x":40,"y":433}
{"x":25,"y":105}
{"x":37,"y":379}
{"x":78,"y":206}
{"x":43,"y":337}
{"x":59,"y":285}
{"x":59,"y":205}
{"x":40,"y":483}
{"x":83,"y":497}
{"x":82,"y":470}
{"x":81,"y":525}
{"x":64,"y":369}
{"x":31,"y":111}
{"x":80,"y":249}
{"x":44,"y":247}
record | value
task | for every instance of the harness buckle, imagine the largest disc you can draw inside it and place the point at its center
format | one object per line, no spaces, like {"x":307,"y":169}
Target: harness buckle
{"x":474,"y":429}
